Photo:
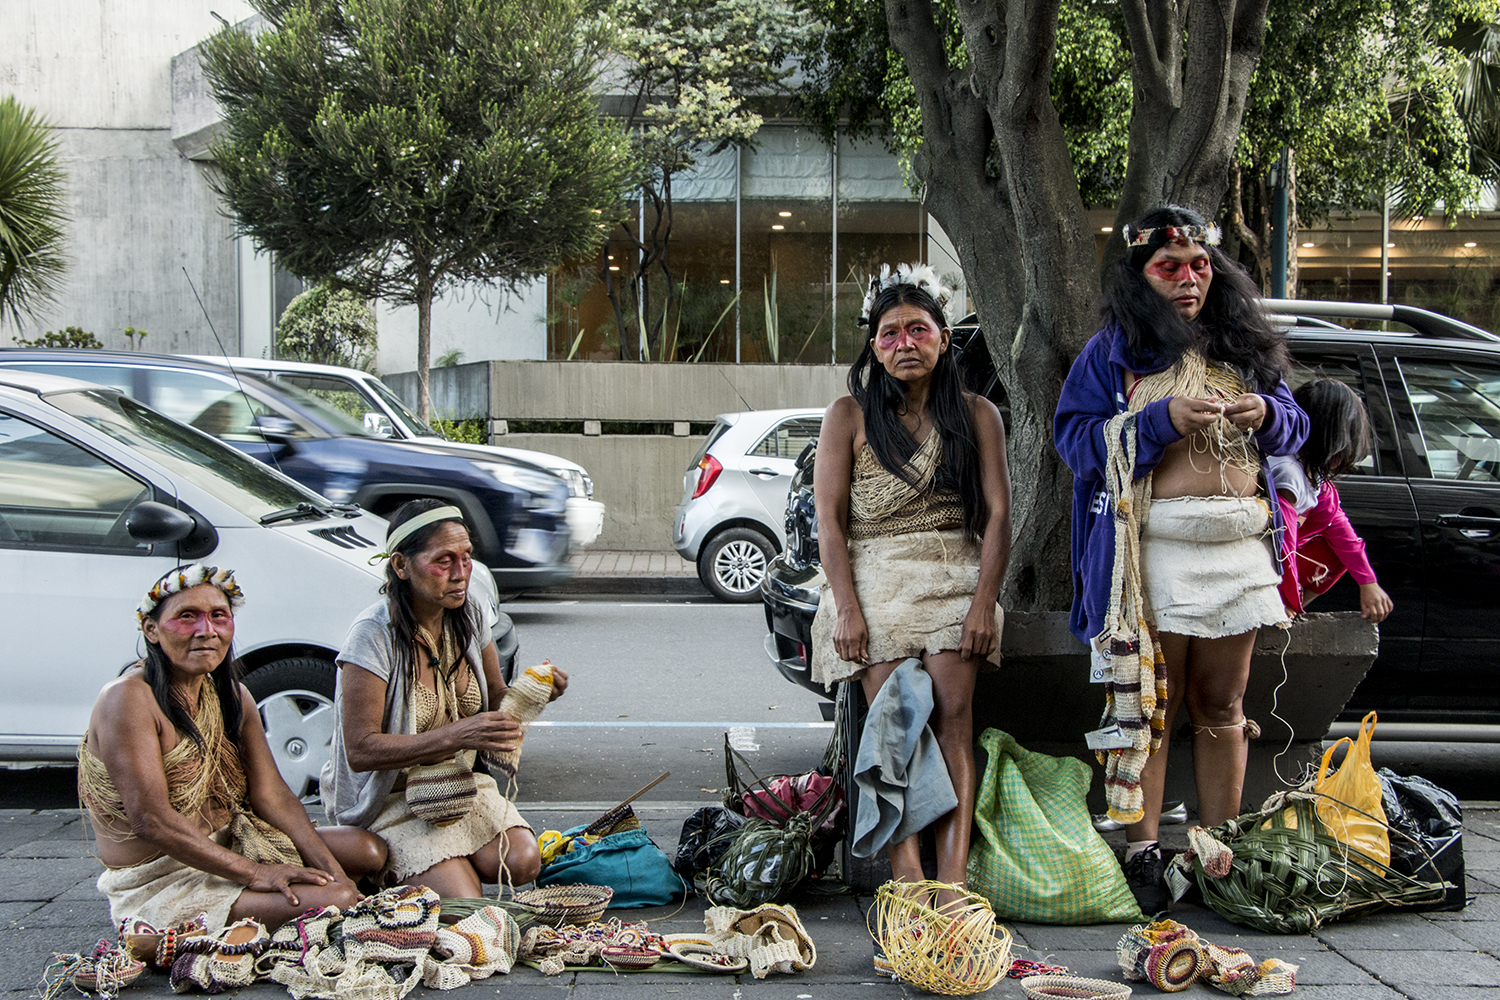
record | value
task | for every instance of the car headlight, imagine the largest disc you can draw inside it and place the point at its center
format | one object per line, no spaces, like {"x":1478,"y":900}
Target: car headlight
{"x":546,"y":491}
{"x":578,"y":482}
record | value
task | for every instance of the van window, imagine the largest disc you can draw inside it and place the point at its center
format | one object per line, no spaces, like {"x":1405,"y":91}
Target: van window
{"x":1458,"y":416}
{"x":213,"y":404}
{"x":336,"y":392}
{"x":55,"y":494}
{"x":708,"y":442}
{"x":788,"y":438}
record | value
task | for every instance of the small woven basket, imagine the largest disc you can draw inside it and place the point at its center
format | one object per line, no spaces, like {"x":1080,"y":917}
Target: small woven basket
{"x":621,"y":956}
{"x":957,"y":951}
{"x":1073,"y":987}
{"x":568,"y":904}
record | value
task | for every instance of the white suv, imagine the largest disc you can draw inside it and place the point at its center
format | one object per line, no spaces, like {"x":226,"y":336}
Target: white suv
{"x":732,"y":519}
{"x":369,"y":400}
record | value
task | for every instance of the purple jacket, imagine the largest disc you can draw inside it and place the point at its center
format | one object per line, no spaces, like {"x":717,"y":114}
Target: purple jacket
{"x":1094,"y":393}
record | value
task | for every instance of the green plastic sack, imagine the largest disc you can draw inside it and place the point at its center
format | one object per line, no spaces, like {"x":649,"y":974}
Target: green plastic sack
{"x":1037,"y":857}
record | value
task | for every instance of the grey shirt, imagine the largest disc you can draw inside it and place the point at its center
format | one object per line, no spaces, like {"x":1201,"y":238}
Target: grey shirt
{"x":355,"y":798}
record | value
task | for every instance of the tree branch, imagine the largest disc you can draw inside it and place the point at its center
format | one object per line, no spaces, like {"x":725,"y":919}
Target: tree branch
{"x":1148,"y":71}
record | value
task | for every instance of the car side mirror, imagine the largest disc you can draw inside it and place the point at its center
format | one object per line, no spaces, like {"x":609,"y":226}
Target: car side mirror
{"x":153,"y":522}
{"x":807,"y":454}
{"x":274,"y":428}
{"x":379,"y":425}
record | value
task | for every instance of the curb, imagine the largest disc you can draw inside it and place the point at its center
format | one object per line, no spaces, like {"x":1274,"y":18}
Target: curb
{"x":650,"y":585}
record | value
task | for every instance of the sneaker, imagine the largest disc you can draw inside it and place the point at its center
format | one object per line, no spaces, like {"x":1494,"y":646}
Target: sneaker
{"x":1146,"y":875}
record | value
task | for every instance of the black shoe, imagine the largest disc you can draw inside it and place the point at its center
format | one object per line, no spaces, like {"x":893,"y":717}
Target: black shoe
{"x":1146,"y":875}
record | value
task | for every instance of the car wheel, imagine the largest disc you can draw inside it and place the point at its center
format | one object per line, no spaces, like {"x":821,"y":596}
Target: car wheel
{"x":733,"y":564}
{"x":295,"y":698}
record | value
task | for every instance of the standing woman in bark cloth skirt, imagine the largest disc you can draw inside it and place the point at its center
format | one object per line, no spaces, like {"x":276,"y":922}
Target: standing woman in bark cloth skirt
{"x":1164,"y":419}
{"x":913,"y":502}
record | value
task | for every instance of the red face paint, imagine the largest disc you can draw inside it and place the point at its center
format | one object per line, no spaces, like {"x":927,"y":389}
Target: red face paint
{"x":1168,"y":269}
{"x":190,"y":622}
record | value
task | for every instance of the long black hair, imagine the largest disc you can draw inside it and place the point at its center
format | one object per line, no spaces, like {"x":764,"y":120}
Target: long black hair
{"x":225,"y":678}
{"x":1232,"y":328}
{"x":398,"y":596}
{"x":882,"y":397}
{"x":1340,"y":433}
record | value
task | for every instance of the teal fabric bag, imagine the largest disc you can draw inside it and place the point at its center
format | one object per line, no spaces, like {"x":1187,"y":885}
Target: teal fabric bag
{"x":628,"y":862}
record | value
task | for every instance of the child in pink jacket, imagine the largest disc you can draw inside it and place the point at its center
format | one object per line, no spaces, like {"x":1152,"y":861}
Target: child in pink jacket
{"x":1320,"y":543}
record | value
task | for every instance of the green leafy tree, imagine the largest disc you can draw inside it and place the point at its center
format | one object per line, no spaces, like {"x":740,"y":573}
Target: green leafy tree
{"x":401,"y":147}
{"x":33,"y":215}
{"x":691,"y":69}
{"x":71,"y":337}
{"x":328,"y":326}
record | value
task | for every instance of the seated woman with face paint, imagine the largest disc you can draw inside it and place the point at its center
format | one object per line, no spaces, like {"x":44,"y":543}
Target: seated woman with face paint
{"x":190,"y":814}
{"x":419,"y":684}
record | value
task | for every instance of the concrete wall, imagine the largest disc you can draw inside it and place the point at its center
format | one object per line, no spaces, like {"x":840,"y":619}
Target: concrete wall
{"x":100,"y":71}
{"x":483,"y":323}
{"x":638,"y":477}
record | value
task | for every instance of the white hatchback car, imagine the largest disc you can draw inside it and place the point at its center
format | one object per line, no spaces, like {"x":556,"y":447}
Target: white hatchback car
{"x":732,"y":519}
{"x":369,"y":400}
{"x":99,"y":496}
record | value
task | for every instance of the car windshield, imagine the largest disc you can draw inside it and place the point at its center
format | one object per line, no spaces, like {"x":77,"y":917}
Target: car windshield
{"x":412,"y":424}
{"x":217,"y":469}
{"x":334,"y":419}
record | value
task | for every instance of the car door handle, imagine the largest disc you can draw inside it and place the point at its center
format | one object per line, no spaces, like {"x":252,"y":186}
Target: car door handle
{"x":1469,"y":525}
{"x":773,"y":473}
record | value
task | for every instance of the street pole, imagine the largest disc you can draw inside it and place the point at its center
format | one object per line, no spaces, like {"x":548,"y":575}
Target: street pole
{"x":1280,"y":238}
{"x":1385,"y":247}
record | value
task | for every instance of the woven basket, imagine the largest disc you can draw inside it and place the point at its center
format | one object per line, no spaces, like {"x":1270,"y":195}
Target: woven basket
{"x":1073,"y":987}
{"x":701,"y":955}
{"x":568,"y":904}
{"x":958,"y":952}
{"x":622,"y":956}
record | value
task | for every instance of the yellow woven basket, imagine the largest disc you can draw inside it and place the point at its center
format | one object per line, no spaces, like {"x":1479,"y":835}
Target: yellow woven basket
{"x":958,"y":951}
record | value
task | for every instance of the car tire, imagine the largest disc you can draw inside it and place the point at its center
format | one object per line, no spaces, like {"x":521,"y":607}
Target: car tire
{"x":295,"y":698}
{"x":733,"y":564}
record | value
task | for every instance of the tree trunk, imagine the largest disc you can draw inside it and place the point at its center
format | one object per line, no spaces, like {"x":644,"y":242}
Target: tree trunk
{"x":424,"y":348}
{"x":1291,"y":224}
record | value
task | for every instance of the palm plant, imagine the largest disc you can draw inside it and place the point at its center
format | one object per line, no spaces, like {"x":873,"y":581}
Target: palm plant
{"x":32,"y":214}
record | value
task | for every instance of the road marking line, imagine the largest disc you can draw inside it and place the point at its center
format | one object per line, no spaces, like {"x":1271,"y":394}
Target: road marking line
{"x":742,"y":738}
{"x":683,"y":725}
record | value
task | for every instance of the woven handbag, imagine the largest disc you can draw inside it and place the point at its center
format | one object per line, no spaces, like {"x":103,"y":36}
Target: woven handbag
{"x":442,"y":793}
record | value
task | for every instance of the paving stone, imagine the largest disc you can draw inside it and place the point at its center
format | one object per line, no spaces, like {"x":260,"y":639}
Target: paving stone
{"x":1394,"y":932}
{"x":10,"y":912}
{"x":22,"y":878}
{"x":1367,"y":991}
{"x":1481,"y":934}
{"x":27,"y":952}
{"x":789,"y":988}
{"x":1440,"y":968}
{"x":1424,"y":991}
{"x":1484,"y":906}
{"x":1322,"y":968}
{"x":1044,"y":938}
{"x":71,"y":913}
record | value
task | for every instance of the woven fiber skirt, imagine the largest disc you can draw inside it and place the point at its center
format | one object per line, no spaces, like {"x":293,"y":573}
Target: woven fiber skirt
{"x":416,"y":845}
{"x":1208,"y":568}
{"x":914,"y":591}
{"x":164,"y":891}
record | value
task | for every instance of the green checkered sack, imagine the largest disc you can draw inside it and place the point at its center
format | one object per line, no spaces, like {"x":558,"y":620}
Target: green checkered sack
{"x":1037,"y":857}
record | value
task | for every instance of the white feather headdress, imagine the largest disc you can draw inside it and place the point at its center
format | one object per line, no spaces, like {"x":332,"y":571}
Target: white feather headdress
{"x":192,"y":575}
{"x":921,"y":275}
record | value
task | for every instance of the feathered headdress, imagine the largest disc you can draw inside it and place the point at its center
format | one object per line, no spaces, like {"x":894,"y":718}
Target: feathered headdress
{"x":192,"y":575}
{"x":1209,"y":235}
{"x":921,"y":275}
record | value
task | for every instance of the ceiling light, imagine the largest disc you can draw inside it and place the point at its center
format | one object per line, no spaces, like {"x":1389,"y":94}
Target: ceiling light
{"x":1308,"y":246}
{"x":611,"y":256}
{"x":1471,"y":244}
{"x":1106,"y":229}
{"x":614,"y":267}
{"x":723,"y":281}
{"x":785,"y":215}
{"x":1390,"y":246}
{"x":778,"y":226}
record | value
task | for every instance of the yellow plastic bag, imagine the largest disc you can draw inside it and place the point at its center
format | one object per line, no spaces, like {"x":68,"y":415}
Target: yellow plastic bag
{"x":1349,"y":806}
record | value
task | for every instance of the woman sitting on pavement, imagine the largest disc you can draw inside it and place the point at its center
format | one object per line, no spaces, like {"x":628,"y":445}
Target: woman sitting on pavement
{"x":419,"y":679}
{"x":190,"y":814}
{"x":913,"y":501}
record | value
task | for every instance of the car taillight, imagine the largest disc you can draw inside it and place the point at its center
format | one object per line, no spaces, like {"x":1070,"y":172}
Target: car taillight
{"x":801,"y":654}
{"x":708,"y":471}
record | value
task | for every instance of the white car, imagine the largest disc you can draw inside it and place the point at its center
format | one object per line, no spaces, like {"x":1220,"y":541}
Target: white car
{"x":99,"y":496}
{"x":732,"y":519}
{"x":370,"y":401}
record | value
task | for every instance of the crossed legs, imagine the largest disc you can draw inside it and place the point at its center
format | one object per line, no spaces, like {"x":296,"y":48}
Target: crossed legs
{"x":463,"y":877}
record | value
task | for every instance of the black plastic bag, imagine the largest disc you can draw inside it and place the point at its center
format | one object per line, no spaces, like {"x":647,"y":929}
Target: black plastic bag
{"x":1426,"y":834}
{"x":705,"y":838}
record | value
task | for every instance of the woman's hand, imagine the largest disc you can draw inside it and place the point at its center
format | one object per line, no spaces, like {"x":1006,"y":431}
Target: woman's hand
{"x":281,"y":878}
{"x":851,"y":639}
{"x":1247,"y":412}
{"x":1374,"y":603}
{"x":1191,"y":414}
{"x":492,"y":731}
{"x":559,"y":681}
{"x":979,"y":638}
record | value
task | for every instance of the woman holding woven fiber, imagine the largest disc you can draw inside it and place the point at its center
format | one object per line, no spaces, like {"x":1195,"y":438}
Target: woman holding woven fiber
{"x":913,"y":505}
{"x":1164,"y":419}
{"x":419,"y":682}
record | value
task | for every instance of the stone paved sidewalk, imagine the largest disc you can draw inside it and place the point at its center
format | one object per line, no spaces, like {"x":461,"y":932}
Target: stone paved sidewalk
{"x":48,"y":903}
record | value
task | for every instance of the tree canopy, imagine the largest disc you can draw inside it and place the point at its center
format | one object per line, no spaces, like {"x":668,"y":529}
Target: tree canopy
{"x":33,"y":216}
{"x":401,"y":147}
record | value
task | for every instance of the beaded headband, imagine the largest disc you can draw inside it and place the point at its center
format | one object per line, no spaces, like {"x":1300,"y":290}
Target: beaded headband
{"x":921,"y":275}
{"x":185,"y":577}
{"x":395,"y":536}
{"x":1209,"y":236}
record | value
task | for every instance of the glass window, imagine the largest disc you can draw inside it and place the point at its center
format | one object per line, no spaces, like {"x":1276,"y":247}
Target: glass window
{"x":340,"y":393}
{"x":213,"y":404}
{"x":1345,"y":369}
{"x":409,"y":421}
{"x":1458,"y":417}
{"x":880,"y":222}
{"x":114,"y":376}
{"x":234,"y":478}
{"x":54,"y":493}
{"x":788,"y":439}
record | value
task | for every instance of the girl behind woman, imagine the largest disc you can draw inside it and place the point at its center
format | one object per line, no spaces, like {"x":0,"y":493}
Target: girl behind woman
{"x":1320,"y":542}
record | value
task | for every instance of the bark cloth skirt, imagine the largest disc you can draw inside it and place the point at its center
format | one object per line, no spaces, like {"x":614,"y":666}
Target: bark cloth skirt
{"x":914,"y":589}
